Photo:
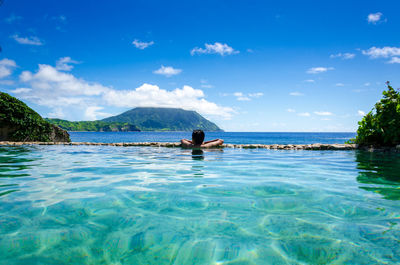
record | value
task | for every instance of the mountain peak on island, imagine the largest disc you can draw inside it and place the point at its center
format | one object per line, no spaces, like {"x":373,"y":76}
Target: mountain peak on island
{"x":164,"y":119}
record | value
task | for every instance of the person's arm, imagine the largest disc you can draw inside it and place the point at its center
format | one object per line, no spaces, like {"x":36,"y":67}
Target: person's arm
{"x":213,"y":143}
{"x":186,"y":143}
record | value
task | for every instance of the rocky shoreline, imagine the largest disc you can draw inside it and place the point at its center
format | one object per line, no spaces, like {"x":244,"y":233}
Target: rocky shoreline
{"x":316,"y":146}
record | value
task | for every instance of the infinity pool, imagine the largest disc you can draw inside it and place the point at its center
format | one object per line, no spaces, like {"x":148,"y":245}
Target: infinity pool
{"x":148,"y":205}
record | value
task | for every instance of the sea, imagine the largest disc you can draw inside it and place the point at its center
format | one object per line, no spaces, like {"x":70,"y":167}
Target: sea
{"x":228,"y":137}
{"x":156,"y":205}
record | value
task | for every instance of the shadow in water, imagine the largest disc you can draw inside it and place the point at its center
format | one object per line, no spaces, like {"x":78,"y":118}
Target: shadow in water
{"x":380,"y":172}
{"x":12,"y":161}
{"x":197,"y":154}
{"x":197,"y":169}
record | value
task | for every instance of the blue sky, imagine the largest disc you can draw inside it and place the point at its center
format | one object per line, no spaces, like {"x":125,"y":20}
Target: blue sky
{"x":246,"y":65}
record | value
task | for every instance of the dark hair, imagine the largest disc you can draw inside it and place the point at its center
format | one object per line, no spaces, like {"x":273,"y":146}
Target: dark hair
{"x":197,"y":137}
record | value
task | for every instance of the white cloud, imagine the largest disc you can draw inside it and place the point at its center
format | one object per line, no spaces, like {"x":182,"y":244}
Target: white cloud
{"x":142,"y":45}
{"x":384,"y":52}
{"x":317,"y":70}
{"x":27,"y":40}
{"x":12,"y":18}
{"x":256,"y":95}
{"x":310,"y":81}
{"x":92,"y":113}
{"x":374,"y":17}
{"x":6,"y":67}
{"x":304,"y":114}
{"x":394,"y":60}
{"x":21,"y":90}
{"x":57,"y":113}
{"x":167,"y":71}
{"x":296,"y":94}
{"x":291,"y":110}
{"x":240,"y":97}
{"x":344,"y":56}
{"x":247,"y":97}
{"x":361,"y":113}
{"x":216,"y":48}
{"x":367,"y":84}
{"x":323,"y":113}
{"x":59,"y":90}
{"x":63,"y":64}
{"x":152,"y":96}
{"x":339,"y":84}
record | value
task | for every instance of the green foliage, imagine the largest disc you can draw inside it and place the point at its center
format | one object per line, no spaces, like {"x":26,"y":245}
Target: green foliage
{"x":93,"y":126}
{"x":164,"y":119}
{"x":381,"y":126}
{"x":23,"y":123}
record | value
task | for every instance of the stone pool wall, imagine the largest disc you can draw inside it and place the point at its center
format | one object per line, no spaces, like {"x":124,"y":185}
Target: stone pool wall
{"x":158,"y":144}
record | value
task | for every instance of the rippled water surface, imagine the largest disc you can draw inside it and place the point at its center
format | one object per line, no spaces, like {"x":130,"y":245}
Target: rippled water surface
{"x":148,"y":205}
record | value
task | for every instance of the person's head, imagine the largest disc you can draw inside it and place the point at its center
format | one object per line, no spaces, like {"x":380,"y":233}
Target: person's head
{"x":197,"y":137}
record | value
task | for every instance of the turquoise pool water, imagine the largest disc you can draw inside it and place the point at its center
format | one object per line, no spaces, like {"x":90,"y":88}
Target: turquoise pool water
{"x":147,"y":205}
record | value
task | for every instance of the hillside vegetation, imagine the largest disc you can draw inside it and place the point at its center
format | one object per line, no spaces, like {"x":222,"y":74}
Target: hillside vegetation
{"x":381,"y":126}
{"x":164,"y":119}
{"x":93,"y":126}
{"x":18,"y":122}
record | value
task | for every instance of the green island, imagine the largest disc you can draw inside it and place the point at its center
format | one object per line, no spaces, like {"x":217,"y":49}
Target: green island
{"x":143,"y":119}
{"x":93,"y":126}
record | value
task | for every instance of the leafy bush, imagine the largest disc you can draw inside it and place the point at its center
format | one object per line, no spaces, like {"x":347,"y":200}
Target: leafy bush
{"x":25,"y":124}
{"x":381,"y":126}
{"x":21,"y":122}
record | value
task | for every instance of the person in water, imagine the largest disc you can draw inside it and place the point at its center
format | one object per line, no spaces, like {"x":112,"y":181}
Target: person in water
{"x":198,"y":141}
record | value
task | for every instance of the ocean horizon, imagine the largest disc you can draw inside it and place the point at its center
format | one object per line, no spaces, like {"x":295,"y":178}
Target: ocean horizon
{"x":228,"y":137}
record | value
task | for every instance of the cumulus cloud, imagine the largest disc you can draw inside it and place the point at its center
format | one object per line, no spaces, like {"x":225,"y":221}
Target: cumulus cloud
{"x":304,"y":114}
{"x":93,"y":113}
{"x":291,"y":110}
{"x":6,"y":67}
{"x":141,"y":44}
{"x":216,"y":48}
{"x":323,"y":113}
{"x":64,"y":64}
{"x":374,"y":18}
{"x":317,"y":70}
{"x":32,"y":40}
{"x":361,"y":113}
{"x":343,"y":56}
{"x":167,"y":71}
{"x":296,"y":94}
{"x":309,"y":81}
{"x":62,"y":92}
{"x":148,"y":95}
{"x":384,"y":52}
{"x":339,"y":84}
